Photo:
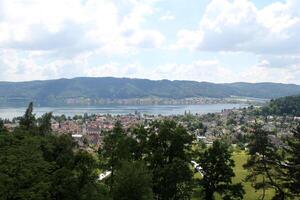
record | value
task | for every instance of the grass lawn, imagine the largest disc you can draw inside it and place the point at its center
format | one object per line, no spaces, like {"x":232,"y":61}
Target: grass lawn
{"x":240,"y":159}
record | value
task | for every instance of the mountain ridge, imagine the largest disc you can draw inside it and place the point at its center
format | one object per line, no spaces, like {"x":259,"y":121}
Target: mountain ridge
{"x":58,"y":91}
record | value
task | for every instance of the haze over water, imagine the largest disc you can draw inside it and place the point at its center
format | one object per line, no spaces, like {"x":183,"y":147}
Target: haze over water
{"x":9,"y":113}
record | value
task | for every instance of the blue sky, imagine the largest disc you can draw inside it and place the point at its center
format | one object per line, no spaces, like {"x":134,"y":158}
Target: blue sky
{"x":201,"y":40}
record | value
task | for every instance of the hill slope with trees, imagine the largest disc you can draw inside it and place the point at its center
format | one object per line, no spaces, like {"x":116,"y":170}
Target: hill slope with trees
{"x":289,"y":105}
{"x":55,"y":92}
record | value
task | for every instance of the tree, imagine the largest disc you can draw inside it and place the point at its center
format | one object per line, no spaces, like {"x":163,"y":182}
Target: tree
{"x":294,"y":161}
{"x":116,"y":148}
{"x":45,"y":124}
{"x":2,"y":128}
{"x":74,"y":173}
{"x":87,"y":187}
{"x":168,"y":156}
{"x":216,"y":164}
{"x":289,"y":105}
{"x":24,"y":174}
{"x":140,"y":147}
{"x":264,"y":164}
{"x":45,"y":166}
{"x":133,"y":181}
{"x":28,"y":121}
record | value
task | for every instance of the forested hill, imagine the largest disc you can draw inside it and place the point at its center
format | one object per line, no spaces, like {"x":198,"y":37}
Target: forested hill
{"x":283,"y":106}
{"x":49,"y":91}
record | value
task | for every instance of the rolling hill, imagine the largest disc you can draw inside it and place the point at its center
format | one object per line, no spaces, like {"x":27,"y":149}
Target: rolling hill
{"x":55,"y":92}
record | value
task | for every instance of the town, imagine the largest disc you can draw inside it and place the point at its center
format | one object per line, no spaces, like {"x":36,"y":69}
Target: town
{"x":89,"y":130}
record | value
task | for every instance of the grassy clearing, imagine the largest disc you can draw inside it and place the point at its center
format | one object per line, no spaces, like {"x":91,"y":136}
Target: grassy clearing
{"x":240,"y":158}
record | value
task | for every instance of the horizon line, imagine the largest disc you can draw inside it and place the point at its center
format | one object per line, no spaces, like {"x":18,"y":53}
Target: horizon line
{"x":148,"y":79}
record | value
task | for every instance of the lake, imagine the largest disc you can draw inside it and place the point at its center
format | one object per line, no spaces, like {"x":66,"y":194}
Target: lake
{"x":10,"y":113}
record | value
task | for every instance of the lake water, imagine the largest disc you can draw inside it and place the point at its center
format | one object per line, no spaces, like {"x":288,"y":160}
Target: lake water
{"x":10,"y":113}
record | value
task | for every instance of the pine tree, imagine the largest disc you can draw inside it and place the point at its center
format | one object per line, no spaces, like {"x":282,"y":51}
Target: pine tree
{"x":217,"y":168}
{"x":294,"y":162}
{"x":265,"y":164}
{"x":28,"y":121}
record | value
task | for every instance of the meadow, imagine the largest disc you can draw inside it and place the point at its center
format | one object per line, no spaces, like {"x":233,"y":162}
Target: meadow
{"x":240,"y":158}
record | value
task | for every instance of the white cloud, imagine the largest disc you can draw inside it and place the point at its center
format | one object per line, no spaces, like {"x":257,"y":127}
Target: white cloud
{"x":267,"y":74}
{"x":187,"y":39}
{"x":75,"y":24}
{"x":167,"y":16}
{"x":214,"y":71}
{"x":238,"y":25}
{"x":201,"y":70}
{"x":14,"y":67}
{"x":115,"y":70}
{"x":280,"y":61}
{"x":146,"y":39}
{"x":56,"y":38}
{"x":68,"y":38}
{"x":17,"y":68}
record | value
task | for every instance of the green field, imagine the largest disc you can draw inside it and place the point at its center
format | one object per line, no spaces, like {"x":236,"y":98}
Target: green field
{"x":240,"y":158}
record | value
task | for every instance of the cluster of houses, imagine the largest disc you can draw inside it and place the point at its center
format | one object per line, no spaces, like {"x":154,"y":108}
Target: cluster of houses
{"x":227,"y":122}
{"x":92,"y":129}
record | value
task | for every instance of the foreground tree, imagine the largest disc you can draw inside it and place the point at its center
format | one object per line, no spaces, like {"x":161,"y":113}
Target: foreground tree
{"x":294,"y":162}
{"x":265,"y":163}
{"x":168,"y":156}
{"x":24,"y":174}
{"x":165,"y":147}
{"x":217,"y":168}
{"x":115,"y":149}
{"x":133,"y":181}
{"x":44,"y":166}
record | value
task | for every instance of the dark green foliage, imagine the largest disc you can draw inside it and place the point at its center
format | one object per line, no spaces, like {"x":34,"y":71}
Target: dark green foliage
{"x":38,"y":167}
{"x":33,"y":125}
{"x":217,"y":167}
{"x":264,"y":163}
{"x":283,"y":106}
{"x":24,"y":174}
{"x":45,"y":124}
{"x":294,"y":162}
{"x":2,"y":128}
{"x":169,"y":157}
{"x":87,"y":187}
{"x":55,"y":92}
{"x":117,"y":147}
{"x":140,"y":148}
{"x":27,"y":122}
{"x":165,"y":147}
{"x":133,"y":181}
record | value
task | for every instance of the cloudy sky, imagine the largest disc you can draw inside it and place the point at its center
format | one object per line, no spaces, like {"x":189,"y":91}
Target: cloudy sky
{"x":202,"y":40}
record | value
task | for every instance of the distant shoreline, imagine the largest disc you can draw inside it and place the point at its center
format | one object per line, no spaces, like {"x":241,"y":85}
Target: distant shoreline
{"x":11,"y":112}
{"x":83,"y":102}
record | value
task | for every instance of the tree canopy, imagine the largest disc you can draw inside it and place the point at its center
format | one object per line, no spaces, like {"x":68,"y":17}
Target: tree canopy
{"x":217,"y":168}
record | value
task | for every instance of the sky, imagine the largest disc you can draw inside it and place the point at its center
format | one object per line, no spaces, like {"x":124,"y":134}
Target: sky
{"x":203,"y":40}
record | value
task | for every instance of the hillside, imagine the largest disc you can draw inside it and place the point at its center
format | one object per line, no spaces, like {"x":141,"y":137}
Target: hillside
{"x":283,"y":106}
{"x":56,"y":92}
